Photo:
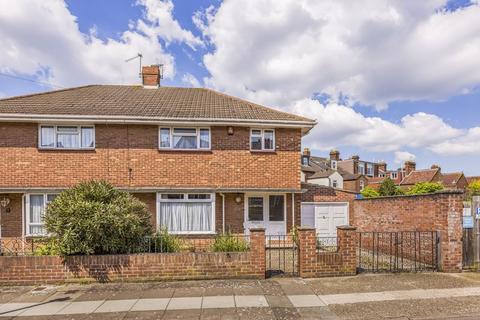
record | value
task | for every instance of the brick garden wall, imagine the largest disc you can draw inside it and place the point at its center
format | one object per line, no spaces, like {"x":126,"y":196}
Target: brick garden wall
{"x":434,"y":212}
{"x":314,"y":263}
{"x":142,"y":267}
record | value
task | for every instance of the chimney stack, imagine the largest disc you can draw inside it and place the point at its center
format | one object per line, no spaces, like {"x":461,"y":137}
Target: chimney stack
{"x":335,"y":155}
{"x":151,"y":76}
{"x":306,"y":152}
{"x":382,"y":166}
{"x":410,"y":166}
{"x":436,"y":166}
{"x":355,"y":157}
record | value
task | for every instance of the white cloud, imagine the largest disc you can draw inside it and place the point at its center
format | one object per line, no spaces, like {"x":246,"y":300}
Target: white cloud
{"x":374,"y":52}
{"x":190,"y":80}
{"x":467,"y":144}
{"x":42,"y":38}
{"x":340,"y":125}
{"x":160,"y":14}
{"x":402,"y":156}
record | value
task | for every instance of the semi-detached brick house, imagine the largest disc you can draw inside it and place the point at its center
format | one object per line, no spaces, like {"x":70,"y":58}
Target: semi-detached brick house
{"x":202,"y":161}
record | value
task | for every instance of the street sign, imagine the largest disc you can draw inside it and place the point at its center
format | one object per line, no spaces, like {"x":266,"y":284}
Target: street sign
{"x":468,"y":222}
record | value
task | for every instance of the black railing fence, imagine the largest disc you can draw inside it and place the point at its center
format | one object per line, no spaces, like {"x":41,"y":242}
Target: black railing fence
{"x":281,"y":254}
{"x":398,"y":251}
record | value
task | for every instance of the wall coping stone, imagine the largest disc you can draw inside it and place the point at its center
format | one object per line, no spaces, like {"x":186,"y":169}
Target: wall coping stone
{"x":438,"y":193}
{"x":346,"y":227}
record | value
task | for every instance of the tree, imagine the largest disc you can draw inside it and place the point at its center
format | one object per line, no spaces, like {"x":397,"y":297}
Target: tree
{"x":95,"y":218}
{"x":425,"y":187}
{"x":388,"y":188}
{"x":473,"y":189}
{"x":369,"y":192}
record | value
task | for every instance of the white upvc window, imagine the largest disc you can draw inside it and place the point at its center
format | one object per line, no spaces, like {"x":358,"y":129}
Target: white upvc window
{"x":333,"y":164}
{"x":362,"y":185}
{"x":334,"y":183}
{"x":369,"y":169}
{"x":262,"y":139}
{"x":186,"y":213}
{"x":393,"y":175}
{"x":184,"y":138}
{"x":66,"y":137}
{"x":35,"y":205}
{"x":361,"y":168}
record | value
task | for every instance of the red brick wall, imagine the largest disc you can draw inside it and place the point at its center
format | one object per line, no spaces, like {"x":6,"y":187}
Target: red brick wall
{"x":323,"y":264}
{"x":150,"y":199}
{"x":11,"y":220}
{"x":163,"y":266}
{"x":434,"y":212}
{"x":316,"y":193}
{"x":127,"y":156}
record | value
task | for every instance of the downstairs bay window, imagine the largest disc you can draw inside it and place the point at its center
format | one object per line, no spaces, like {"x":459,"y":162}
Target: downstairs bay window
{"x":186,"y":213}
{"x":35,"y":205}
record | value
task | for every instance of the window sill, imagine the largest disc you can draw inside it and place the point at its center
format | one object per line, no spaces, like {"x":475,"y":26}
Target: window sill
{"x":186,"y":233}
{"x":67,"y":149}
{"x":263,"y":151}
{"x":186,"y":150}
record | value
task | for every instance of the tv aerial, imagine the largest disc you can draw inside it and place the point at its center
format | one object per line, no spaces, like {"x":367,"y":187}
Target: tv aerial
{"x":139,"y":56}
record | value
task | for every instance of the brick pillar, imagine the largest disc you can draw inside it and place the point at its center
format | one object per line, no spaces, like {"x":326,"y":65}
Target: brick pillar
{"x":347,"y":247}
{"x":307,"y":252}
{"x":257,"y":249}
{"x":451,"y":245}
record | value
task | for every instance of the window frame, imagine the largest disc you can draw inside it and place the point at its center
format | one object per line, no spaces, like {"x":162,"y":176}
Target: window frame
{"x":262,"y":134}
{"x":333,"y":164}
{"x":55,"y":136}
{"x":212,"y":200}
{"x":392,"y":174}
{"x":361,"y":165}
{"x":371,"y":167}
{"x":26,"y":213}
{"x":197,"y":135}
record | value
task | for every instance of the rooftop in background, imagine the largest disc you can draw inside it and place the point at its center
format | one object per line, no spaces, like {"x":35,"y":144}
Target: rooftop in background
{"x":417,"y":176}
{"x":137,"y":102}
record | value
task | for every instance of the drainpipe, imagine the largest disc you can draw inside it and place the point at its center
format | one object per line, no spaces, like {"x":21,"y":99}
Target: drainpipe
{"x":293,"y":210}
{"x":223,"y":212}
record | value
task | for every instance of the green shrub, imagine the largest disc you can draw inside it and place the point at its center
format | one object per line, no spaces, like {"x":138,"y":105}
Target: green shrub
{"x":369,"y":192}
{"x":388,"y":188}
{"x":95,"y":218}
{"x":162,"y":241}
{"x":425,"y":187}
{"x":48,"y":247}
{"x":228,"y":243}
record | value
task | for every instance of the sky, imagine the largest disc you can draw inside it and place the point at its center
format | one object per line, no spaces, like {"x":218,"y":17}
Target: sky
{"x":389,"y":80}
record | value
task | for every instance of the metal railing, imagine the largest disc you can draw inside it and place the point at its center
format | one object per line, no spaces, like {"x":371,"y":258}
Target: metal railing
{"x":327,"y":244}
{"x":20,"y":246}
{"x":281,"y":254}
{"x":398,"y":251}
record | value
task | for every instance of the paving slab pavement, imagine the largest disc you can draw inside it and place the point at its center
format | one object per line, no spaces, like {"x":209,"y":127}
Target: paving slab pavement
{"x":399,"y":296}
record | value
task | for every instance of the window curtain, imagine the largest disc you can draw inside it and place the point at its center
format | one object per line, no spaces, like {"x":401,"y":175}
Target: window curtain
{"x":186,"y":216}
{"x":47,"y":136}
{"x":185,"y":142}
{"x":36,"y":214}
{"x":87,"y":137}
{"x":67,"y":141}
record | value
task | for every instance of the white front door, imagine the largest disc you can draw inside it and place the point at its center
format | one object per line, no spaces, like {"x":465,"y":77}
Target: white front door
{"x":266,"y":211}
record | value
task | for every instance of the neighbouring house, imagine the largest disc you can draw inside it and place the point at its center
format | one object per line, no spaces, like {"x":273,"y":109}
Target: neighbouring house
{"x":319,"y":171}
{"x":451,"y":181}
{"x":203,"y":162}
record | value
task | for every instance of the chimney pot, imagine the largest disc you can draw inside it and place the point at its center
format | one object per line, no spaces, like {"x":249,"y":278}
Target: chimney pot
{"x":435,"y":166}
{"x":151,"y":76}
{"x":355,"y":157}
{"x":335,"y":155}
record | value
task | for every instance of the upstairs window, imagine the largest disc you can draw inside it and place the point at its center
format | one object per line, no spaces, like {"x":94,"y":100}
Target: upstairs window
{"x":333,"y":164}
{"x":334,"y":183}
{"x":185,"y":138}
{"x":67,"y":137}
{"x":305,"y":161}
{"x":361,"y":168}
{"x":393,"y":175}
{"x":369,"y":169}
{"x":262,"y":139}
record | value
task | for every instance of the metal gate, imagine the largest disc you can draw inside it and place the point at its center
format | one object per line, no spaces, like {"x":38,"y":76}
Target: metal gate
{"x":404,"y":251}
{"x":281,"y":256}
